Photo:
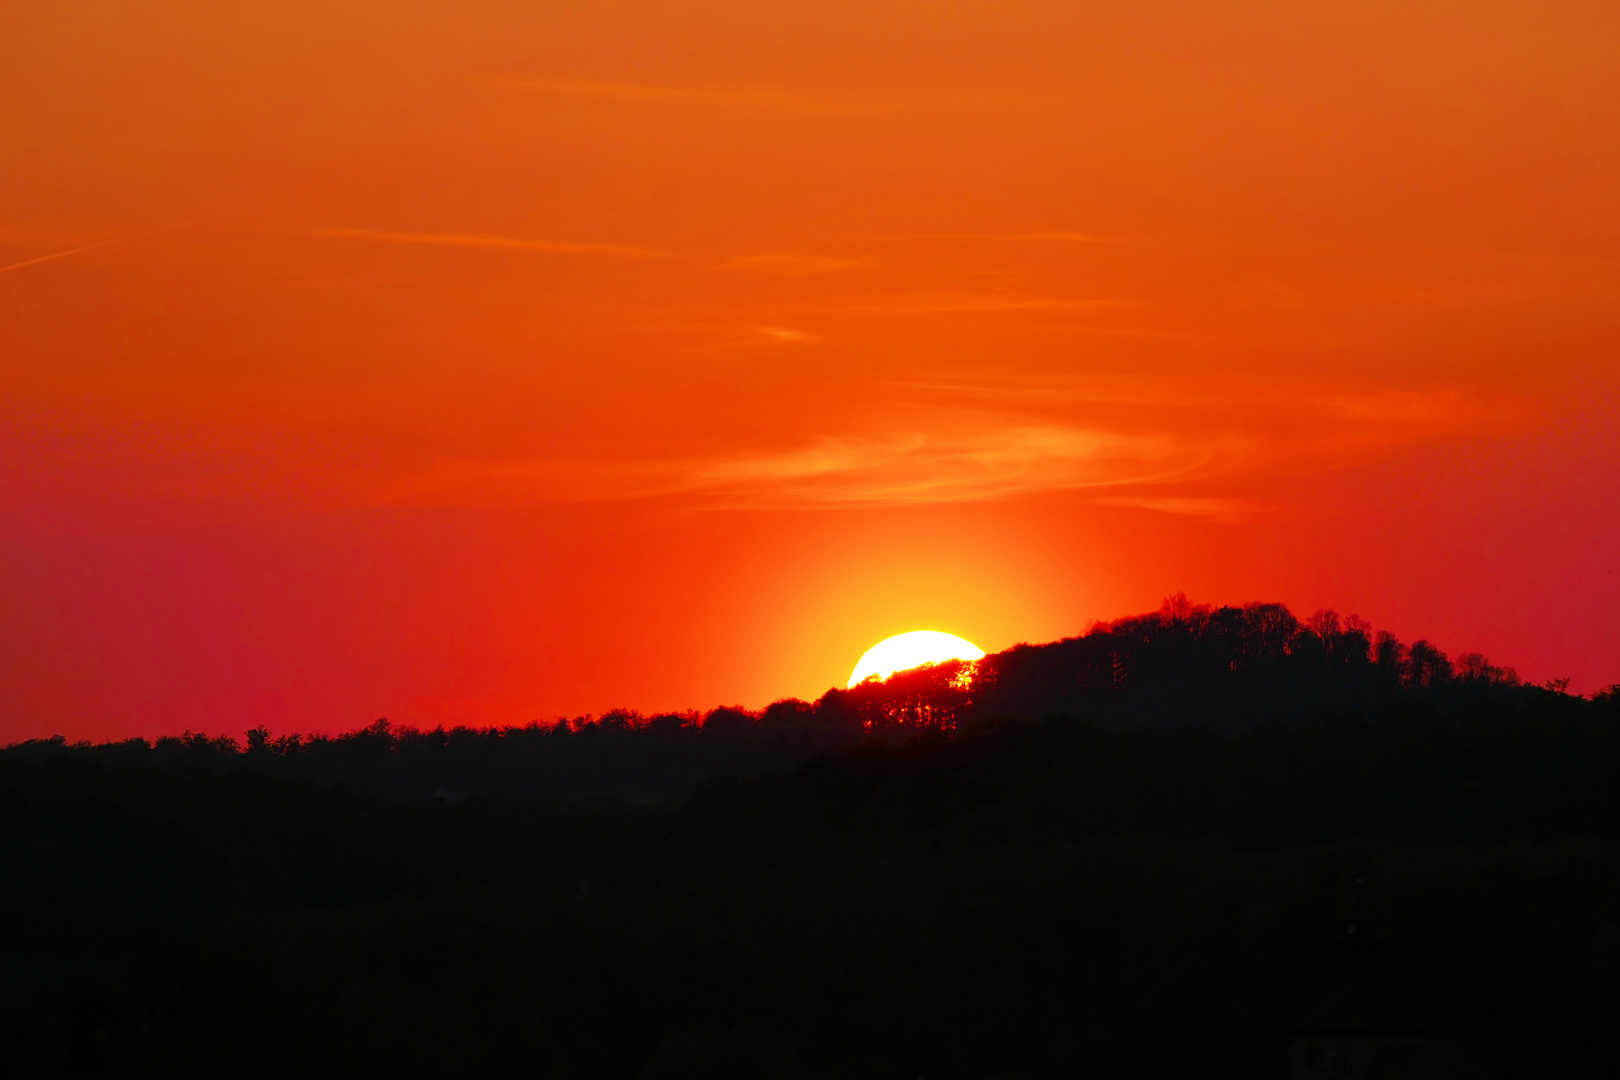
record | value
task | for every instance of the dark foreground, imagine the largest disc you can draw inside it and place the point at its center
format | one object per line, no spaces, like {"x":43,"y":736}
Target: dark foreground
{"x":1019,"y":900}
{"x":794,"y":895}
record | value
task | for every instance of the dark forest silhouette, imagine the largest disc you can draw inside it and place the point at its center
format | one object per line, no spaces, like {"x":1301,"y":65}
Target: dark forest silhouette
{"x":1131,"y":853}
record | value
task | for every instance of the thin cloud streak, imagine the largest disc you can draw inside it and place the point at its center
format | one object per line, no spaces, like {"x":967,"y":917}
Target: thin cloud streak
{"x":920,"y":467}
{"x":486,"y":240}
{"x":940,"y":305}
{"x":786,"y":335}
{"x":790,"y":264}
{"x":1125,"y":454}
{"x":595,"y":88}
{"x":90,"y":247}
{"x":1215,"y":509}
{"x":778,"y":100}
{"x":895,"y":468}
{"x":1394,"y":413}
{"x":1060,"y":236}
{"x":758,"y":98}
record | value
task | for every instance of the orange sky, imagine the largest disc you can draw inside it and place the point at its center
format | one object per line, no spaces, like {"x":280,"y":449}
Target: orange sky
{"x":484,"y":361}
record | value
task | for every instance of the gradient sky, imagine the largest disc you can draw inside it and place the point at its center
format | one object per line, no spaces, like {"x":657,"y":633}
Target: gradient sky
{"x":483,"y":361}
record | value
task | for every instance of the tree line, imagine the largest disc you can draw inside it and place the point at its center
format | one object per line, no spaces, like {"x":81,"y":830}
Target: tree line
{"x":1029,"y":894}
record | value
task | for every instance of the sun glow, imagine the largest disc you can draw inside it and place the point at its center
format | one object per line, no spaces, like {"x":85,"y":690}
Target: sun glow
{"x":906,"y":651}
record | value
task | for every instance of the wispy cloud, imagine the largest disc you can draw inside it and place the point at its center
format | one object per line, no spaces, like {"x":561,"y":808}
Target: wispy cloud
{"x":1250,"y":400}
{"x":792,"y":264}
{"x":486,"y":240}
{"x":597,"y":88}
{"x":1047,"y":236}
{"x":895,"y":467}
{"x":783,"y":100}
{"x":768,"y":99}
{"x":36,"y":260}
{"x":920,"y":466}
{"x":1400,"y":409}
{"x":989,"y":302}
{"x":1154,"y":452}
{"x":1214,"y":509}
{"x":785,"y":335}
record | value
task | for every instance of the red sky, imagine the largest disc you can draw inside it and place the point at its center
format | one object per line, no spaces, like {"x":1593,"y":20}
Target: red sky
{"x":484,"y":361}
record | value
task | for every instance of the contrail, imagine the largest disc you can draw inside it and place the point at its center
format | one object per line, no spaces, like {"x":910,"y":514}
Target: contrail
{"x":483,"y":240}
{"x":91,"y":247}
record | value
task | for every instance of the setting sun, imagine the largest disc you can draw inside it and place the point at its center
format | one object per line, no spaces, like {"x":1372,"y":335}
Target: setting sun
{"x":449,"y":449}
{"x":906,"y":651}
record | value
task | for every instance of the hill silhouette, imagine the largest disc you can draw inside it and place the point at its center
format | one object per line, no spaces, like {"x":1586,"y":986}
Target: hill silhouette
{"x":1187,"y":665}
{"x":1133,"y":852}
